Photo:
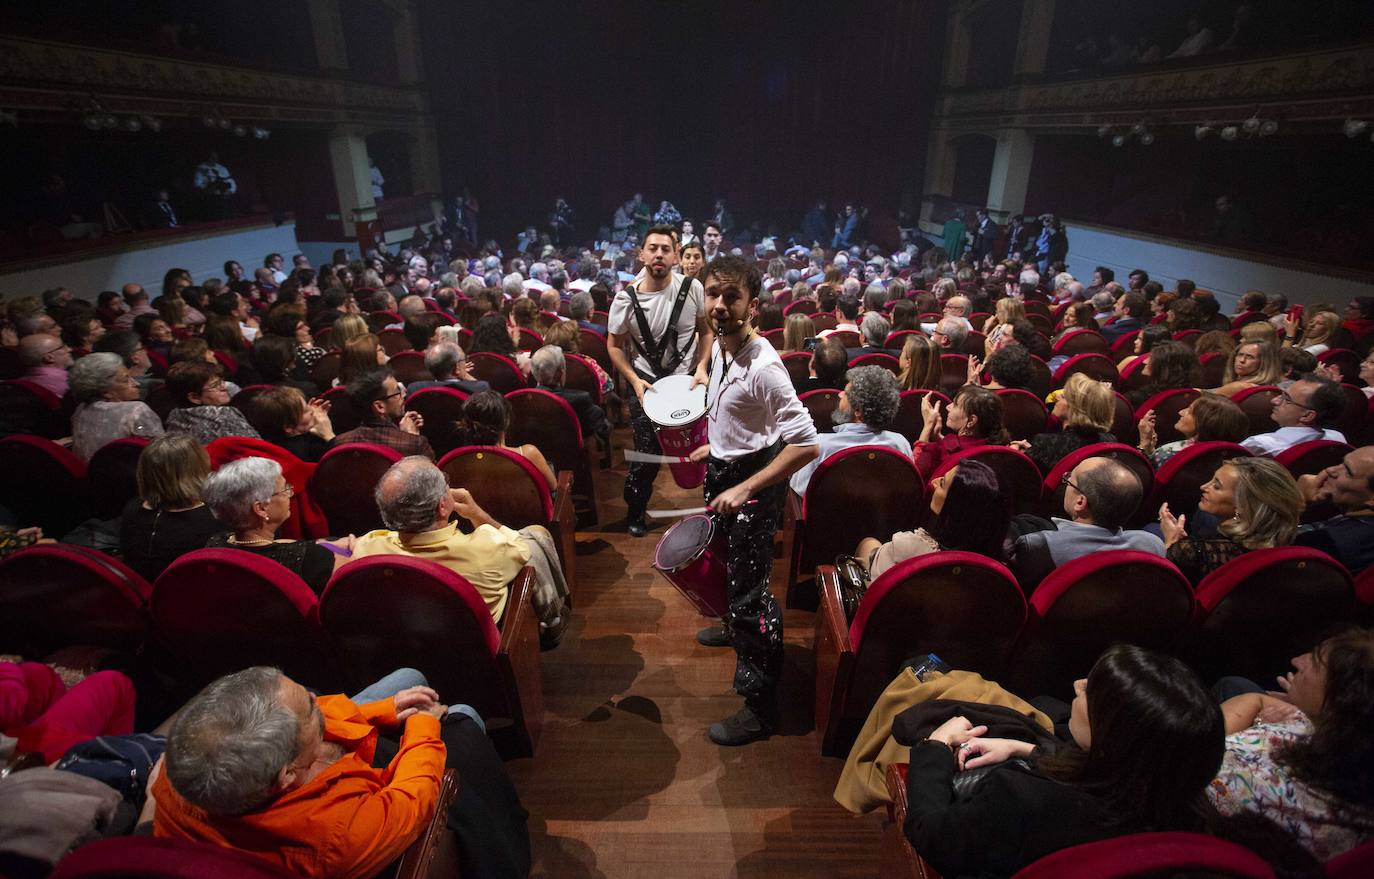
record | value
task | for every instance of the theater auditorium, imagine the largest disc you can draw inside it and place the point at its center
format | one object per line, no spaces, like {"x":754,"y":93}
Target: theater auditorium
{"x":623,"y":438}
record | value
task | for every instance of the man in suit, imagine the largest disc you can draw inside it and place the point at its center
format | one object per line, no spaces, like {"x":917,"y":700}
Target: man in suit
{"x":874,"y":330}
{"x":1130,"y":312}
{"x":450,"y":368}
{"x":161,"y":214}
{"x":549,"y":370}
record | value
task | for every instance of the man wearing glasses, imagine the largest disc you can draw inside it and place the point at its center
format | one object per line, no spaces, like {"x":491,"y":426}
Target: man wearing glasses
{"x":1303,"y":413}
{"x":1100,"y":496}
{"x":46,"y":359}
{"x":381,"y":400}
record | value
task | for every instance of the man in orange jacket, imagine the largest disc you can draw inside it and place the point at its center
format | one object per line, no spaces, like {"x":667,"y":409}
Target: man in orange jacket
{"x":255,"y":763}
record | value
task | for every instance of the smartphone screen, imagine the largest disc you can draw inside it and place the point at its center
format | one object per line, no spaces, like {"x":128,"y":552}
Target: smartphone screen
{"x":809,"y":344}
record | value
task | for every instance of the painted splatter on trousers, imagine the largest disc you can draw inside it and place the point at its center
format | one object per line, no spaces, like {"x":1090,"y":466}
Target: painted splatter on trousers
{"x":639,"y":484}
{"x":754,"y":620}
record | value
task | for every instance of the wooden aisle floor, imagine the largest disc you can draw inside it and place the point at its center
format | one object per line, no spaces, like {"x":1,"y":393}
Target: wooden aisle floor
{"x":625,"y":782}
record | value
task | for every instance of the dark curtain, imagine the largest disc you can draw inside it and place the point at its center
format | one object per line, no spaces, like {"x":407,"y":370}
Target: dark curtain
{"x":768,"y":104}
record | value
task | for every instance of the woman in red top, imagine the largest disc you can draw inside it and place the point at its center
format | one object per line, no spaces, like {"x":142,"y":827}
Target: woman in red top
{"x":974,"y":419}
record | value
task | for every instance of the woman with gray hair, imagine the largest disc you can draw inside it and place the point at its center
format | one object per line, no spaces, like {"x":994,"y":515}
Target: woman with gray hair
{"x":252,"y":498}
{"x":107,"y":405}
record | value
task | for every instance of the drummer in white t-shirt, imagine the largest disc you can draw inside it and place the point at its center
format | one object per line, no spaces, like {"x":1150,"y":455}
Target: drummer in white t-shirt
{"x":759,"y":434}
{"x":650,"y":301}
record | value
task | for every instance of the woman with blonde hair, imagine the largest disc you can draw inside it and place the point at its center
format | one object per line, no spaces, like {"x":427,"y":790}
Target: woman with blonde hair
{"x":1007,"y":312}
{"x":944,"y":288}
{"x":1085,"y":409}
{"x":168,"y":518}
{"x":920,"y":364}
{"x":1253,"y":365}
{"x":796,"y":331}
{"x":567,"y":335}
{"x":346,"y":327}
{"x":1316,"y":334}
{"x":1257,"y":503}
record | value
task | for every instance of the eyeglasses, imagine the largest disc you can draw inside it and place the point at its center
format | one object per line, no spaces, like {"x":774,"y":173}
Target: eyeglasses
{"x":288,"y":491}
{"x":1066,"y":481}
{"x":216,"y":385}
{"x":1283,"y":395}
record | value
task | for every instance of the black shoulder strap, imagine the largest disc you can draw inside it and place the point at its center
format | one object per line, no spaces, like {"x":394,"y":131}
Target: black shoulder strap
{"x":652,"y":348}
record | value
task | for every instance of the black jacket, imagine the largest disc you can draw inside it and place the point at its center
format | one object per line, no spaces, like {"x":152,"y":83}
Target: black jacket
{"x":591,"y":416}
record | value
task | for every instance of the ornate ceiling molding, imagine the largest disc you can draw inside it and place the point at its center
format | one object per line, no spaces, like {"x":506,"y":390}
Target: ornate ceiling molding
{"x":1324,"y":84}
{"x":43,"y":75}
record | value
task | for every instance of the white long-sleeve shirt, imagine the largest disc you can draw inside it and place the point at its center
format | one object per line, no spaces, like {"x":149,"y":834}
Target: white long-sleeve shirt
{"x":752,"y":404}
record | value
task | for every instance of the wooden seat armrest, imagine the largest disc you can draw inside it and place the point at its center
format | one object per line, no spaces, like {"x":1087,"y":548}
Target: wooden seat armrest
{"x":435,"y":852}
{"x":897,"y":859}
{"x":896,"y":792}
{"x":834,"y":656}
{"x":518,"y":660}
{"x":564,"y":527}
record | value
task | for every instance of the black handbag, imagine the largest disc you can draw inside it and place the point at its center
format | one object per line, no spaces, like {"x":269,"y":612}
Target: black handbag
{"x":853,"y":578}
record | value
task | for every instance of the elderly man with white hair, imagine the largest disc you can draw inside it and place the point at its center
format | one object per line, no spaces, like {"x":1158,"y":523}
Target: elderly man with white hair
{"x":513,"y":286}
{"x":538,"y":279}
{"x":957,"y":309}
{"x":450,"y":367}
{"x":549,"y":367}
{"x":416,"y":504}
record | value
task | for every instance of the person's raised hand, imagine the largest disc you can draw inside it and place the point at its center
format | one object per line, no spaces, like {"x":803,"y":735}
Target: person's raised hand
{"x":1147,"y":429}
{"x":1174,"y":528}
{"x":975,"y":370}
{"x":411,"y":422}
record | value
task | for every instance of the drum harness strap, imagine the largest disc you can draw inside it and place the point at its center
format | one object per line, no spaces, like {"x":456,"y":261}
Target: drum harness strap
{"x":651,"y":349}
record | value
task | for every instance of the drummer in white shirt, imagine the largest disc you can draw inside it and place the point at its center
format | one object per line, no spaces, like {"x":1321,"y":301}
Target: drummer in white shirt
{"x":657,"y":328}
{"x":759,"y":434}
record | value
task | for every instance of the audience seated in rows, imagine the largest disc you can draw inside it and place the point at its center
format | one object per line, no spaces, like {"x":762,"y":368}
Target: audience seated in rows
{"x":1257,"y":505}
{"x":867,"y":406}
{"x":1253,"y":365}
{"x":1100,"y":496}
{"x":168,"y":518}
{"x":322,"y":786}
{"x":566,"y":335}
{"x":380,"y":400}
{"x":971,"y":515}
{"x":252,"y":499}
{"x":829,"y":364}
{"x":416,"y":504}
{"x":46,"y":359}
{"x":450,"y":368}
{"x":1169,"y":365}
{"x":919,"y":362}
{"x":1303,"y":412}
{"x":874,"y":332}
{"x":1085,"y":409}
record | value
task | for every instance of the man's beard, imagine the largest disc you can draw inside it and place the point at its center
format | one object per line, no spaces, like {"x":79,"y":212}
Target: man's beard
{"x":839,"y":416}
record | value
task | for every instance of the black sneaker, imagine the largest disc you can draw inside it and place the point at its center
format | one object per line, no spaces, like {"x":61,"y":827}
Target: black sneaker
{"x":551,"y":634}
{"x":714,"y":636}
{"x":638,"y":527}
{"x":743,"y":727}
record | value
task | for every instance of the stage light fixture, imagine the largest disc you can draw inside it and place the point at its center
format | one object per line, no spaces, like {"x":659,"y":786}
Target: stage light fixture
{"x":1138,"y":128}
{"x":1268,"y":128}
{"x":1147,"y":138}
{"x":133,"y":124}
{"x":1252,"y":125}
{"x":1202,"y":131}
{"x":1104,"y":130}
{"x":1119,"y":140}
{"x":240,"y":131}
{"x":1353,"y":128}
{"x":1230,"y":132}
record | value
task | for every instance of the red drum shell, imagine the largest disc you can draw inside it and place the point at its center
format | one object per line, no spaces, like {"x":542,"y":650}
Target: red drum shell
{"x":691,"y":556}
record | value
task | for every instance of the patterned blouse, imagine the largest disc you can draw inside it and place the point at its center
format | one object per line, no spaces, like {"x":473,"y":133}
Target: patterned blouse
{"x":1251,"y":780}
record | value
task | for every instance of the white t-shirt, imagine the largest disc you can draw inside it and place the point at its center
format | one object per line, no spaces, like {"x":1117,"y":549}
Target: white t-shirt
{"x":752,"y":404}
{"x":658,"y":307}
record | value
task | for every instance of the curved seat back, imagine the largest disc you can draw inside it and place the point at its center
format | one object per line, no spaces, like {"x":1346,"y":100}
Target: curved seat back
{"x":1213,"y":372}
{"x":1179,"y":481}
{"x":1098,"y":367}
{"x":391,"y":611}
{"x":343,"y":412}
{"x":774,"y":337}
{"x":1023,"y":413}
{"x":221,"y":610}
{"x":1263,"y":608}
{"x":1042,"y":380}
{"x":798,"y":365}
{"x":442,"y":410}
{"x":343,"y":485}
{"x":1167,"y":406}
{"x":1124,"y":426}
{"x":549,"y":422}
{"x":502,"y":482}
{"x":579,"y":375}
{"x":44,"y":484}
{"x":409,"y":366}
{"x":326,"y":369}
{"x":848,"y":338}
{"x":593,"y":344}
{"x":1151,"y":854}
{"x":821,"y":404}
{"x":1128,"y":455}
{"x":113,"y":475}
{"x":908,"y":421}
{"x":58,"y":595}
{"x":1017,"y":474}
{"x":823,"y":322}
{"x":393,"y":342}
{"x":1344,"y":359}
{"x":245,"y":395}
{"x":1258,"y":406}
{"x":964,"y":607}
{"x":953,"y":373}
{"x":1313,"y":456}
{"x":499,"y":371}
{"x":28,"y":408}
{"x":1091,"y":603}
{"x":147,"y":857}
{"x":886,"y":361}
{"x":529,"y":340}
{"x":1082,"y":342}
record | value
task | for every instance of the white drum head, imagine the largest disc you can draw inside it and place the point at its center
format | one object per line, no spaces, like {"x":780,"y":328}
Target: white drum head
{"x":671,"y":404}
